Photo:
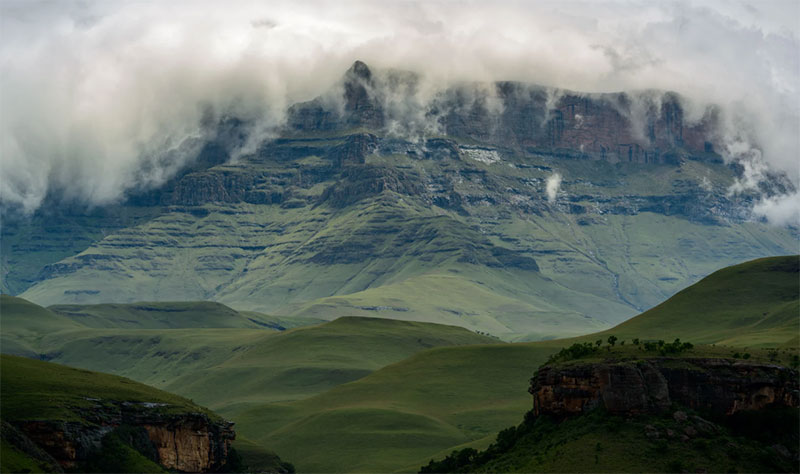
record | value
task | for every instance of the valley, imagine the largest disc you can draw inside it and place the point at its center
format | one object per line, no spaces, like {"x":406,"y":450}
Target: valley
{"x":402,"y":392}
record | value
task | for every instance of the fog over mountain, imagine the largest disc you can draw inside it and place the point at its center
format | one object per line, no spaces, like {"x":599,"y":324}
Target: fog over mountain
{"x":100,"y":98}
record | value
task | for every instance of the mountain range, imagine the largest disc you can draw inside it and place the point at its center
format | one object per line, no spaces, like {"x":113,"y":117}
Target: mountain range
{"x":519,"y":211}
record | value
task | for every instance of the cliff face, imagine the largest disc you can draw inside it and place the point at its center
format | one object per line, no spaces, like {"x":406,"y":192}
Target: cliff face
{"x":646,"y":127}
{"x":715,"y":385}
{"x":189,"y":442}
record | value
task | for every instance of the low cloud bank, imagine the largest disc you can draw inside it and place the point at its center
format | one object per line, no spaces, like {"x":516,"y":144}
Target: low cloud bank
{"x":99,"y":98}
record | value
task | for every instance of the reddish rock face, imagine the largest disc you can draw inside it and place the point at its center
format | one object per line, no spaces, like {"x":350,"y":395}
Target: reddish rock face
{"x":187,"y":443}
{"x":190,"y":445}
{"x":717,"y":385}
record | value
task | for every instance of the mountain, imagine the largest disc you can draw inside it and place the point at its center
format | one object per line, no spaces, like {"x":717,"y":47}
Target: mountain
{"x":374,"y":192}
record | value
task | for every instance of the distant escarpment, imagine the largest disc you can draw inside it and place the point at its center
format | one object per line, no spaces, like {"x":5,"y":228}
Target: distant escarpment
{"x":718,"y":386}
{"x":642,"y":127}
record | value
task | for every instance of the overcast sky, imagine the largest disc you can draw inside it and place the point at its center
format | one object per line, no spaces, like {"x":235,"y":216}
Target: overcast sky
{"x":94,"y":94}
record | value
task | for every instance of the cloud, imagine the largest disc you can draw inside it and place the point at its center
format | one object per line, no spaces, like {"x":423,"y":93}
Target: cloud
{"x":99,"y":98}
{"x":552,"y":187}
{"x":780,"y":210}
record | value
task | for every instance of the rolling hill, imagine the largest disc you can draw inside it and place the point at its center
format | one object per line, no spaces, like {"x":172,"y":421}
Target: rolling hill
{"x":56,"y":417}
{"x":367,"y":394}
{"x":202,"y":358}
{"x":453,"y":397}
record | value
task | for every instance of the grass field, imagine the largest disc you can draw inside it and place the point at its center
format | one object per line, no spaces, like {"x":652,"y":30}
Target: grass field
{"x":367,"y":394}
{"x":466,"y":394}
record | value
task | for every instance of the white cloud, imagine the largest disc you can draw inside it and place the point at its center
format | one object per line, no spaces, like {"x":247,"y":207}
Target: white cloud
{"x":780,"y":210}
{"x":94,"y":94}
{"x":553,"y":186}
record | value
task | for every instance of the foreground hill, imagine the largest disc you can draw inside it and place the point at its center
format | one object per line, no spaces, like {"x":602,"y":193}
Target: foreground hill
{"x":55,"y":418}
{"x":668,"y":409}
{"x":353,"y":208}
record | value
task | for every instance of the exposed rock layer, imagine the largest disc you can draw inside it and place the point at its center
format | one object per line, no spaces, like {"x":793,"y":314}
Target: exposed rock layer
{"x":719,"y":386}
{"x":190,"y":442}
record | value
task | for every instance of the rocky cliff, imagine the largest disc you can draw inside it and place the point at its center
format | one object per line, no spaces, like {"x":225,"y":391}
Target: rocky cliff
{"x":719,"y":386}
{"x":641,"y":127}
{"x":188,"y":442}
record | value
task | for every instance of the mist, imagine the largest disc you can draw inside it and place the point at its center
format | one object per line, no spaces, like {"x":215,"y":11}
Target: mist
{"x":552,"y":186}
{"x":101,"y":98}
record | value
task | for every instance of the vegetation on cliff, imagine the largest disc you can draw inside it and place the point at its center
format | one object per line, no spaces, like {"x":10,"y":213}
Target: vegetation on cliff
{"x":677,"y":441}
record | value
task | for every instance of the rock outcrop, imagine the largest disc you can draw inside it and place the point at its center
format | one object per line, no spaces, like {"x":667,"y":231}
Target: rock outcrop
{"x":644,"y":127}
{"x":719,"y":386}
{"x":188,"y":442}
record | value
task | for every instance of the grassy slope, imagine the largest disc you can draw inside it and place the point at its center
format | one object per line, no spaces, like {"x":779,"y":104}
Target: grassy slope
{"x":405,"y":413}
{"x":401,"y":415}
{"x":598,"y":442}
{"x":161,"y":315}
{"x":751,"y":304}
{"x":606,"y":267}
{"x":24,"y":323}
{"x":38,"y":390}
{"x":204,"y":363}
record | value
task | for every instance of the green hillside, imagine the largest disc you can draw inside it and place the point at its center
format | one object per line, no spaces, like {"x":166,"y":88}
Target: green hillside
{"x":38,"y":390}
{"x":752,"y":304}
{"x":33,"y":390}
{"x":314,"y":226}
{"x":203,"y":363}
{"x":364,"y":394}
{"x":461,"y":396}
{"x":599,"y":442}
{"x":162,"y":315}
{"x":24,"y":323}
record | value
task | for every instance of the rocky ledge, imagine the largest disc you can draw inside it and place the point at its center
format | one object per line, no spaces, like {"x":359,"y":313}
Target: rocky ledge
{"x":186,"y":442}
{"x":718,"y":386}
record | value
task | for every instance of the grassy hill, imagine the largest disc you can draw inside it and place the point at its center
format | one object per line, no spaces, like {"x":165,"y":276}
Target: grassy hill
{"x":34,"y":390}
{"x":460,"y":396}
{"x":366,"y":394}
{"x":38,"y":390}
{"x":751,"y":304}
{"x":158,"y":315}
{"x":204,"y":362}
{"x":599,"y":442}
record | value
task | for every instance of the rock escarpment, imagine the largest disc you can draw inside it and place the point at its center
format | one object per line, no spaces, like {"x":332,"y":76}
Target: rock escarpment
{"x":187,"y":442}
{"x":719,"y":386}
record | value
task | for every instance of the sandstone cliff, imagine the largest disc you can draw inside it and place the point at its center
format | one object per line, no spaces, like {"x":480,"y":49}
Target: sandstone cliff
{"x":187,"y":442}
{"x":719,"y":386}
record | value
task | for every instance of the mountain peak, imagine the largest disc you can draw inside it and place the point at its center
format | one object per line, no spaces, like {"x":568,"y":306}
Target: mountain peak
{"x":359,"y":69}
